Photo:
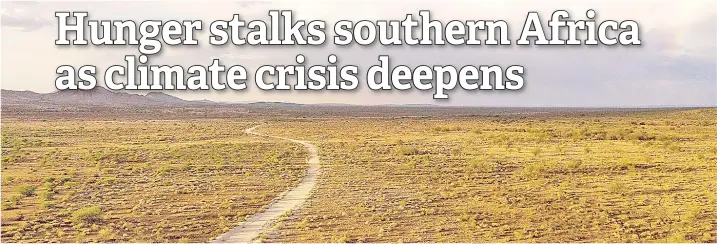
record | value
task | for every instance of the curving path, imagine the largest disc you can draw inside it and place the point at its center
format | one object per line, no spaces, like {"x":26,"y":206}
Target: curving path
{"x":249,"y":230}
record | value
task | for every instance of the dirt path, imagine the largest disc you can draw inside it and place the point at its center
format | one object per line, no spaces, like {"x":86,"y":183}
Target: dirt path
{"x":249,"y":230}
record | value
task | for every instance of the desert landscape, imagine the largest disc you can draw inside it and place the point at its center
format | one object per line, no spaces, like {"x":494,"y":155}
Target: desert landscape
{"x":102,"y":166}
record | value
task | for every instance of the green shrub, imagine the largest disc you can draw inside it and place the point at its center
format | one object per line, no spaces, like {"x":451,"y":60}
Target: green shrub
{"x":12,"y":202}
{"x":8,"y":180}
{"x":47,"y":205}
{"x":87,"y":215}
{"x":46,"y":195}
{"x":26,"y":190}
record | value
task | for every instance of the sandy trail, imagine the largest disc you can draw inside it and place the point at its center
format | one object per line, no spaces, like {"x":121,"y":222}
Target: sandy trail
{"x":249,"y":230}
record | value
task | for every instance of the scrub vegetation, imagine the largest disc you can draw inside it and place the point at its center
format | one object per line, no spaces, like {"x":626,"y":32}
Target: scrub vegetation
{"x":137,"y":181}
{"x":564,"y":176}
{"x":640,"y":177}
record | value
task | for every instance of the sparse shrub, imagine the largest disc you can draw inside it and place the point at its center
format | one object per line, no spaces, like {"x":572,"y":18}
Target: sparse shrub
{"x":446,"y":128}
{"x":644,"y":136}
{"x":617,"y":187}
{"x":12,"y":202}
{"x":693,"y":212}
{"x":479,"y":165}
{"x":109,"y":180}
{"x":71,"y":173}
{"x":626,"y":164}
{"x":674,"y":148}
{"x":411,"y":165}
{"x":91,"y":214}
{"x":536,"y":151}
{"x":456,"y":151}
{"x":8,"y":180}
{"x":163,"y":170}
{"x":406,"y":150}
{"x":46,"y":195}
{"x":339,"y":238}
{"x":47,"y":205}
{"x":520,"y":234}
{"x":304,"y":224}
{"x":106,"y":234}
{"x":701,"y":157}
{"x":532,"y":171}
{"x":573,"y":165}
{"x":226,"y":204}
{"x":26,"y":190}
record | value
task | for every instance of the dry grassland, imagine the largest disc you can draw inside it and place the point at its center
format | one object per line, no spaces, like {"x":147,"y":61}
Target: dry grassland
{"x":645,"y":177}
{"x":137,"y":181}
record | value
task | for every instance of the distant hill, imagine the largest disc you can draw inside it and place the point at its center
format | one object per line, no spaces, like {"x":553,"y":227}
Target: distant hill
{"x":106,"y":104}
{"x":162,"y":97}
{"x":100,"y":97}
{"x":97,"y":97}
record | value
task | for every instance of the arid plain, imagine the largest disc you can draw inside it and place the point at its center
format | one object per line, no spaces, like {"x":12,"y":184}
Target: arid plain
{"x":388,"y":174}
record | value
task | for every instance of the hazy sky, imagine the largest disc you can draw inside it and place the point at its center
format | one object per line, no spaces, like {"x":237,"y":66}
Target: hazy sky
{"x":676,"y":65}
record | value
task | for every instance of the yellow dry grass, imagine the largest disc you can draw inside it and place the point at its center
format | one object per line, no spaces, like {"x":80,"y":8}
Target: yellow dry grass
{"x":642,"y":177}
{"x":137,"y":181}
{"x":617,"y":177}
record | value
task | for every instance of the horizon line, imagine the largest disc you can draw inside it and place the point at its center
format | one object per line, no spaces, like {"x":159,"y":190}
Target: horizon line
{"x":389,"y":104}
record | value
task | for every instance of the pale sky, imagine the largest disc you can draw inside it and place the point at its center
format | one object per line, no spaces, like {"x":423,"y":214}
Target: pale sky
{"x":676,"y":64}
